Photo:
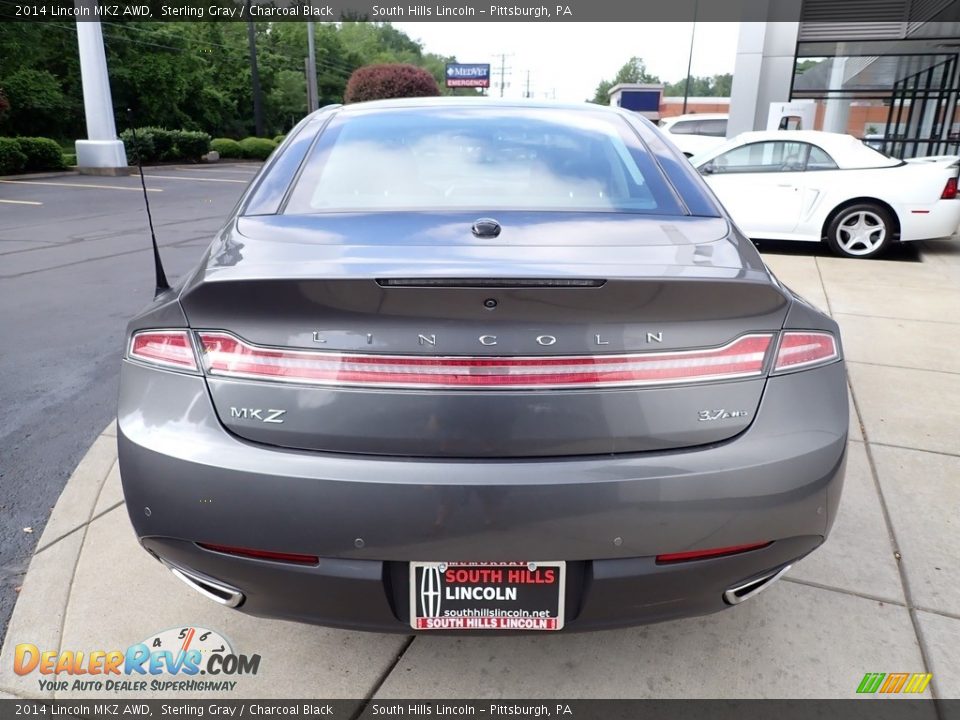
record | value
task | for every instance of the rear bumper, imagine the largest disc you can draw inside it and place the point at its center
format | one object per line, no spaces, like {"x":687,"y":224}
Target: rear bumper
{"x":930,"y":222}
{"x":366,"y":518}
{"x":373,"y":595}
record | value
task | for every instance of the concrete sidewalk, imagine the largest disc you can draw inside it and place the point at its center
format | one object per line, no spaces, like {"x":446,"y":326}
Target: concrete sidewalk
{"x":883,"y":595}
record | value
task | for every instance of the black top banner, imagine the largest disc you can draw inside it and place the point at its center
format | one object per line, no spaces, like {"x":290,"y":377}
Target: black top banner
{"x":106,"y":708}
{"x":544,"y":11}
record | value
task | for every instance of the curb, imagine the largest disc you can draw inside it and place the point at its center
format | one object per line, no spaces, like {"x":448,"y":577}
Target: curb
{"x":41,"y":607}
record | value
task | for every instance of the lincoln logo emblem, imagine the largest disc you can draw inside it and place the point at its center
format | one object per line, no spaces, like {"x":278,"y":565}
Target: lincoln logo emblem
{"x":430,"y":591}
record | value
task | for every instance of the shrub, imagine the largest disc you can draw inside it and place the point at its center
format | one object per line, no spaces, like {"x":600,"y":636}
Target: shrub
{"x":190,"y":144}
{"x":12,"y":160}
{"x":226,"y":147}
{"x":163,"y":142}
{"x":279,"y":139}
{"x":41,"y":153}
{"x":376,"y":82}
{"x":69,"y":159}
{"x":257,"y":148}
{"x":143,"y":147}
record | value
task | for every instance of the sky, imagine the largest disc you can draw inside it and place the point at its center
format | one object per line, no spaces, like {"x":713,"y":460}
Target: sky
{"x":568,"y":60}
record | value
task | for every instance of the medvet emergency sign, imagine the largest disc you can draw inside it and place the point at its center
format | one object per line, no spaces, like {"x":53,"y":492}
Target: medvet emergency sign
{"x":468,"y":75}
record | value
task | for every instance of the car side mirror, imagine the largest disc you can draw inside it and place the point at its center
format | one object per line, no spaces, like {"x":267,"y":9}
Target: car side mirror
{"x":708,"y":169}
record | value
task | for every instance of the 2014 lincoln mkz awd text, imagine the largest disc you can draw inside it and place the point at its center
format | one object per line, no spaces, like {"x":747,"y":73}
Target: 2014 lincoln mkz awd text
{"x":467,"y":365}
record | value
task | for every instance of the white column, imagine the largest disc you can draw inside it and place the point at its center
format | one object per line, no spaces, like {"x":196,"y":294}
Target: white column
{"x":836,"y":112}
{"x":101,"y":151}
{"x":763,"y":72}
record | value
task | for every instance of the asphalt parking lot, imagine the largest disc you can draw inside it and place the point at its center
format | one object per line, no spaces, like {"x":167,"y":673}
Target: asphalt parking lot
{"x":75,"y":263}
{"x":880,"y":596}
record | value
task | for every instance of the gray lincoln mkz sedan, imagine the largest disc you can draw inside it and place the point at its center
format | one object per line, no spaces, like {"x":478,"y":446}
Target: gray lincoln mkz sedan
{"x":461,"y":365}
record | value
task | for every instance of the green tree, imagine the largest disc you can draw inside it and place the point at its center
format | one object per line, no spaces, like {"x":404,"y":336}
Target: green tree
{"x":36,"y":102}
{"x":708,"y":86}
{"x":633,"y":71}
{"x":191,"y":75}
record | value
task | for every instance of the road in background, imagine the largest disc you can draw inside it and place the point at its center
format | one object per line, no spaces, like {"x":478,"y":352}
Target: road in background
{"x":75,"y":264}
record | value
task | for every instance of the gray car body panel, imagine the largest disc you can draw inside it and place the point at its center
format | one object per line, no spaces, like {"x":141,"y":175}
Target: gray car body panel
{"x":371,"y":479}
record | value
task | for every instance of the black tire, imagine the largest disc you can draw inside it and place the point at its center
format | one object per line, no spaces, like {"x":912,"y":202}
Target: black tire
{"x":864,"y":230}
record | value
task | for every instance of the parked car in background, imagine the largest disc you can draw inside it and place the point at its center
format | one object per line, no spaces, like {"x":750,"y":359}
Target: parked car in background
{"x":696,"y":133}
{"x":458,"y":364}
{"x":812,"y":186}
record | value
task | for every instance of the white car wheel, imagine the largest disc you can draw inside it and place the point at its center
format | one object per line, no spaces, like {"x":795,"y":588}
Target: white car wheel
{"x":860,"y":231}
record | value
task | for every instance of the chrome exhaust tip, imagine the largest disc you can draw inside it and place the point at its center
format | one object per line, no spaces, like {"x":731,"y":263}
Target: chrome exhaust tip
{"x":209,"y":588}
{"x":744,"y":591}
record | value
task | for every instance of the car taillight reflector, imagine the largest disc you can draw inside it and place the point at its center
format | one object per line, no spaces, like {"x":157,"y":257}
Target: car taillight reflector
{"x":228,"y":356}
{"x":286,"y":557}
{"x":805,"y":349}
{"x":711,"y":553}
{"x":949,"y":190}
{"x":170,"y":348}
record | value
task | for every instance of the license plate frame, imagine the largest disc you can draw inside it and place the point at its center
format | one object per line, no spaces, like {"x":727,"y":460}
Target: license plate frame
{"x":537,"y":603}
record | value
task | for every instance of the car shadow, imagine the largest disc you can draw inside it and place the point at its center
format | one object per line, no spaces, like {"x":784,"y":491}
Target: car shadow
{"x":903,"y":252}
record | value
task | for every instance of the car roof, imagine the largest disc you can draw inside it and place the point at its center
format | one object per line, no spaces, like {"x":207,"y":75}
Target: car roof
{"x":846,"y":150}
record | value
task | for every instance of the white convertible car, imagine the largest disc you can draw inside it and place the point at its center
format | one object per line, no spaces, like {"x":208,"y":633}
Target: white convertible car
{"x":810,"y":186}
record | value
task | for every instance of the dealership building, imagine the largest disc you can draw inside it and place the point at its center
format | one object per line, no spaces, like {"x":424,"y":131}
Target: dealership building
{"x":892,"y":76}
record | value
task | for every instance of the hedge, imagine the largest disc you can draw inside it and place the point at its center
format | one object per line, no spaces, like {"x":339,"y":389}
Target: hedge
{"x":29,"y":154}
{"x":12,"y":159}
{"x":389,"y":80}
{"x":226,"y":147}
{"x":41,"y":153}
{"x":279,"y":139}
{"x":159,"y":144}
{"x":257,"y":148}
{"x":191,"y":144}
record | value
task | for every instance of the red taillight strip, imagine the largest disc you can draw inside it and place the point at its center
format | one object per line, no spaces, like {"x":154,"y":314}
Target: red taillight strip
{"x":800,"y":350}
{"x":711,"y":553}
{"x":286,"y":557}
{"x":168,"y":348}
{"x":227,"y":356}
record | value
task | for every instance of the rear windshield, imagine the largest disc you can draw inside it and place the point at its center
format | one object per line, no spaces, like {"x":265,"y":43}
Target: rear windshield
{"x":480,"y":159}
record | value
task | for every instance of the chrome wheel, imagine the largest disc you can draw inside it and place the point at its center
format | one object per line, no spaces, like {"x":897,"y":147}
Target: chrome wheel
{"x":861,"y":233}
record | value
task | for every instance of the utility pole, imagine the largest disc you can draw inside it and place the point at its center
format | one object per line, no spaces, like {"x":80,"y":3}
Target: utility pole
{"x":312,"y":101}
{"x":255,"y":76}
{"x":693,"y":34}
{"x":504,"y":71}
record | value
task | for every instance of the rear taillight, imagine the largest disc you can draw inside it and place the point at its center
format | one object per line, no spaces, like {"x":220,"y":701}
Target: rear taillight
{"x":949,"y":190}
{"x":227,"y":356}
{"x":801,"y":350}
{"x":255,"y":554}
{"x":710,"y":553}
{"x":167,"y":348}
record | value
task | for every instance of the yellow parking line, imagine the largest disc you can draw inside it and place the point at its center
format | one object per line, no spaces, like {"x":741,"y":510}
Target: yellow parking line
{"x":79,"y":185}
{"x":21,"y":202}
{"x":195,"y":179}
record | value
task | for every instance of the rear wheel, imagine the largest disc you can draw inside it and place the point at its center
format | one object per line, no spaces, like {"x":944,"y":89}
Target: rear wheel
{"x":863,"y":230}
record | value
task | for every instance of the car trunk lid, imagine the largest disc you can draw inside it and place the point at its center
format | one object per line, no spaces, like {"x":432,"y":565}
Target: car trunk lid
{"x":432,"y":348}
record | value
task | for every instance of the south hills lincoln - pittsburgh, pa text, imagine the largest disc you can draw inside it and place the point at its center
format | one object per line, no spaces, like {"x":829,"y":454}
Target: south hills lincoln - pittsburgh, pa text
{"x":494,"y":11}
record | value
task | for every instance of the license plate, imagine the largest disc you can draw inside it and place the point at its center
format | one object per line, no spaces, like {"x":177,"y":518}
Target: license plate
{"x":487,"y":596}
